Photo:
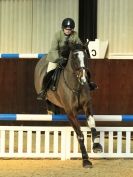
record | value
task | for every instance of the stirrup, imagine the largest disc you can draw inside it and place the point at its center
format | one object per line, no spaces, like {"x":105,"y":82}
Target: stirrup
{"x":41,"y":95}
{"x":53,"y":88}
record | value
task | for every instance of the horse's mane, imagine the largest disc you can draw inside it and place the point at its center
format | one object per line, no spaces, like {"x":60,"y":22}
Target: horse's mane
{"x":65,"y":50}
{"x":79,"y":47}
{"x":74,"y":47}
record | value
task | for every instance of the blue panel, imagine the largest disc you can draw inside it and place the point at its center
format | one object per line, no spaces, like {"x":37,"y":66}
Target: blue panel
{"x":127,"y":118}
{"x":41,"y":55}
{"x":14,"y":55}
{"x":7,"y":116}
{"x":63,"y":117}
{"x":81,"y":117}
{"x":59,"y":117}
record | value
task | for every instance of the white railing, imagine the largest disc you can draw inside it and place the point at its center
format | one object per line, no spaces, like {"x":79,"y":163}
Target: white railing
{"x":61,"y":142}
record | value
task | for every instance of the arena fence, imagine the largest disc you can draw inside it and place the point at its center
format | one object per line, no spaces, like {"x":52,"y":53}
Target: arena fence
{"x":61,"y":142}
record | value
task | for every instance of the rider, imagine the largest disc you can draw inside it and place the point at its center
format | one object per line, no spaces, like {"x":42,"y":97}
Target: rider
{"x":54,"y":57}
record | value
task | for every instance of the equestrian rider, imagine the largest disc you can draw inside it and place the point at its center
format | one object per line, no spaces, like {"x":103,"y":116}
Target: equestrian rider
{"x":54,"y":57}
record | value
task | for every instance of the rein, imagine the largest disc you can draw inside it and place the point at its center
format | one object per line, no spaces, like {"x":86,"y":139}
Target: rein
{"x":75,"y":91}
{"x":80,"y":68}
{"x":72,"y":89}
{"x":76,"y":72}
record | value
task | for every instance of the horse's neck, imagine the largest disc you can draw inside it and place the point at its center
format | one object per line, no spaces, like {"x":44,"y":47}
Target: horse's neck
{"x":69,"y":75}
{"x":68,"y":69}
{"x":68,"y":66}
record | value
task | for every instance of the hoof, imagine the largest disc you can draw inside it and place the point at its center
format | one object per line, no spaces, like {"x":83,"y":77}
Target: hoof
{"x":87,"y":164}
{"x":97,"y":148}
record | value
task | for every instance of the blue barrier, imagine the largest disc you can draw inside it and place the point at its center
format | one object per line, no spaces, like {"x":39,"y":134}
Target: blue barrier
{"x":127,"y":118}
{"x":14,"y":55}
{"x":17,"y":55}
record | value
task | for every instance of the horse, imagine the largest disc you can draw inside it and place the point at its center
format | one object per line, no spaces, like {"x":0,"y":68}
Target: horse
{"x":73,"y":95}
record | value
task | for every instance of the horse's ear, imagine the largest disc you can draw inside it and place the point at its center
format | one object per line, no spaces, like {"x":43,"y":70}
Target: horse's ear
{"x":86,"y":48}
{"x":86,"y":44}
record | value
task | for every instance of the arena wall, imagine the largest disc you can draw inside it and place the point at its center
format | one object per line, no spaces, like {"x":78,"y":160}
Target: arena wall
{"x":113,"y":77}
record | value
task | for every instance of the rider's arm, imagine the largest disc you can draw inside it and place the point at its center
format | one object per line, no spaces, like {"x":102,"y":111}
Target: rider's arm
{"x":53,"y":53}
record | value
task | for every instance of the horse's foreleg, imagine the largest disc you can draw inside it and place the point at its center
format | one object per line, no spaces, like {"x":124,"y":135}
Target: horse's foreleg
{"x":95,"y":138}
{"x":80,"y":137}
{"x":91,"y":123}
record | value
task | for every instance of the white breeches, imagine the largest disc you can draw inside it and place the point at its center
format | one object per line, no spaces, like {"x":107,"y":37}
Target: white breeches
{"x":51,"y":66}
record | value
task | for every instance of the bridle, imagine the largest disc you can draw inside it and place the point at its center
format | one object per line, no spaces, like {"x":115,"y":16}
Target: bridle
{"x":77,"y":71}
{"x":80,"y":70}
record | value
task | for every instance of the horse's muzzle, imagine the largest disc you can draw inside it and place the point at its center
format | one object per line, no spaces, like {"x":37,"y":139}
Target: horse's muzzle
{"x":83,"y":80}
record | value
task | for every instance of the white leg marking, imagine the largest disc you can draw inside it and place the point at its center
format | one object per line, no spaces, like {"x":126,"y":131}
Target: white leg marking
{"x":81,"y":59}
{"x":91,"y":122}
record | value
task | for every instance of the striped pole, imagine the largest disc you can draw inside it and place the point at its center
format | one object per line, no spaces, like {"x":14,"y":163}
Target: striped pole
{"x":23,"y":55}
{"x":62,"y":117}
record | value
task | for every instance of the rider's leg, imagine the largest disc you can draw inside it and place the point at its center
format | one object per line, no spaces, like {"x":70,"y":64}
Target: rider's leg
{"x":45,"y":86}
{"x":56,"y":76}
{"x":51,"y":80}
{"x":92,"y":85}
{"x":55,"y":79}
{"x":47,"y":80}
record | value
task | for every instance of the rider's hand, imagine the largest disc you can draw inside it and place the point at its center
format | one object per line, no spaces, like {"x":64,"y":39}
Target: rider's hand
{"x":62,"y":61}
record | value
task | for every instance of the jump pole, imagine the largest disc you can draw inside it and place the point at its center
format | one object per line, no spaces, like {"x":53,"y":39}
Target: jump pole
{"x":22,"y":55}
{"x":63,"y":117}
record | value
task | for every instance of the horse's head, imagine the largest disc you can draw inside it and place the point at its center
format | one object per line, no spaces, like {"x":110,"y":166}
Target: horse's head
{"x":79,"y":62}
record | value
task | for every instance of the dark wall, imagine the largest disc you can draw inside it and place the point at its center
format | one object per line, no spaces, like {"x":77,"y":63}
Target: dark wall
{"x":87,"y":20}
{"x":115,"y":81}
{"x":17,"y":93}
{"x":114,"y":78}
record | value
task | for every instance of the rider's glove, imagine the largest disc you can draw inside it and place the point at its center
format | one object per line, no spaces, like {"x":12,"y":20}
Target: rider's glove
{"x":62,"y":62}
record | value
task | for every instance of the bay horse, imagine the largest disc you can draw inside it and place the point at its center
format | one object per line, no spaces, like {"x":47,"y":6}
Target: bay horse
{"x":73,"y":95}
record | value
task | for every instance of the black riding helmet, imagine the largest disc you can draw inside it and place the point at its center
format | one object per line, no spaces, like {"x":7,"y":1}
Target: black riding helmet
{"x":68,"y":23}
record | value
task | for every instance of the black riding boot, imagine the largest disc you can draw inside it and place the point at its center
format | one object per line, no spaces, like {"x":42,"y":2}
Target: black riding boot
{"x":55,"y":79}
{"x":42,"y":94}
{"x":46,"y":84}
{"x":92,"y":85}
{"x":56,"y":76}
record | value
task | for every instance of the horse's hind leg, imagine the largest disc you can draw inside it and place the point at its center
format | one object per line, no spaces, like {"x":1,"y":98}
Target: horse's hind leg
{"x":80,"y":137}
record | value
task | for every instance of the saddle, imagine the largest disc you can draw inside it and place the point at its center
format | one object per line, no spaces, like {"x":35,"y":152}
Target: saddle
{"x":56,"y":75}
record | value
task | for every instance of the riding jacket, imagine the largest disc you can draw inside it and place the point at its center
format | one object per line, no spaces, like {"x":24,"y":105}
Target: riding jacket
{"x":58,"y":42}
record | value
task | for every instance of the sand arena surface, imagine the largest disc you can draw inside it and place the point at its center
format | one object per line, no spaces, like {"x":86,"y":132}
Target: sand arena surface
{"x":68,"y":168}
